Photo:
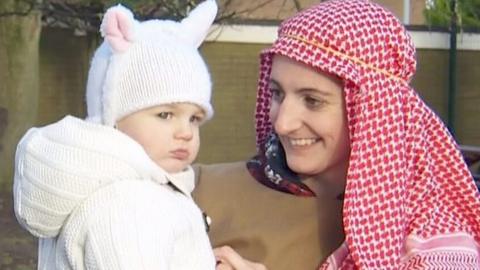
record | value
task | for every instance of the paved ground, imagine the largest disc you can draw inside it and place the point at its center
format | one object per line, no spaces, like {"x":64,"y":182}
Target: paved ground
{"x":18,"y":250}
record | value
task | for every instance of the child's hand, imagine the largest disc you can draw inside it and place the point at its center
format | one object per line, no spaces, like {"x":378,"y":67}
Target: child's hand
{"x":229,"y":259}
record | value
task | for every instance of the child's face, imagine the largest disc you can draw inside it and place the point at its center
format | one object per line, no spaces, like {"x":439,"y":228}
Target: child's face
{"x":168,"y":133}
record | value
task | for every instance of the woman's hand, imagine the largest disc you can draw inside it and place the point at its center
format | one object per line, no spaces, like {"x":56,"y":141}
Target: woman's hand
{"x":229,"y":259}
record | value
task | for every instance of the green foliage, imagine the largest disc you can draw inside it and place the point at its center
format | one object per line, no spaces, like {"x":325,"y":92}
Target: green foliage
{"x":439,"y":13}
{"x":470,"y":13}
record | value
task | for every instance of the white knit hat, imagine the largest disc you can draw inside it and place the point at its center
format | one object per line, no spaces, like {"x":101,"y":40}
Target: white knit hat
{"x":144,"y":64}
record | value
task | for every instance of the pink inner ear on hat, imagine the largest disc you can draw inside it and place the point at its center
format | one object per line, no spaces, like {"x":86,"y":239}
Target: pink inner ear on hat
{"x":118,"y":30}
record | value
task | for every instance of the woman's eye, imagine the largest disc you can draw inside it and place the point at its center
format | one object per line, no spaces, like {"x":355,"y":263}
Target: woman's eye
{"x":313,"y":103}
{"x":276,"y":94}
{"x":165,"y":115}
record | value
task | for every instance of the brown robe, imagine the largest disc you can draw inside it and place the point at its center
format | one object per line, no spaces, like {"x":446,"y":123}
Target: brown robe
{"x":281,"y":230}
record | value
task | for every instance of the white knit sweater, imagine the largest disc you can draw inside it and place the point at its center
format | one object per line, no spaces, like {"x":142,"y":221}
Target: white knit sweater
{"x":97,"y":201}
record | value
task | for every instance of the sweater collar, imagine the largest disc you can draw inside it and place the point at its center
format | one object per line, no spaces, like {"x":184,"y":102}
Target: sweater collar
{"x":183,"y":181}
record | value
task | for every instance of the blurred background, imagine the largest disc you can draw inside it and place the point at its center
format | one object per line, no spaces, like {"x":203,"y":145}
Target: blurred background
{"x":46,"y":46}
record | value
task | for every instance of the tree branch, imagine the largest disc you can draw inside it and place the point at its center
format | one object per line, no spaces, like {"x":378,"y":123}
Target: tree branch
{"x":85,"y":15}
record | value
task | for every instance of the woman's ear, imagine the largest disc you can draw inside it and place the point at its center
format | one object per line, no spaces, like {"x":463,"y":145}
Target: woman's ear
{"x":118,"y":28}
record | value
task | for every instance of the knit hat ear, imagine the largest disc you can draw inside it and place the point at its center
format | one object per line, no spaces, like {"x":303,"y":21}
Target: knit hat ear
{"x":198,"y":22}
{"x":118,"y":28}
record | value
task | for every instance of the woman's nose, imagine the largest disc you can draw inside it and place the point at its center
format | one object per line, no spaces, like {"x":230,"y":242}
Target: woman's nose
{"x":286,"y":117}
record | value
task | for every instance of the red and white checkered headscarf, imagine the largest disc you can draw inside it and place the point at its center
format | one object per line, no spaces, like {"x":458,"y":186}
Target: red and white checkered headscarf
{"x":410,"y":201}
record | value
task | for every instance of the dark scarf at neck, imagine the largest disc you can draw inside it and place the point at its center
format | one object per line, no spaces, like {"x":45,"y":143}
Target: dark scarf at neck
{"x":270,"y":168}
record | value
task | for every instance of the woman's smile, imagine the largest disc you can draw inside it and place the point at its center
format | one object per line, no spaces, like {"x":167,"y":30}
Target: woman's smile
{"x":302,"y":141}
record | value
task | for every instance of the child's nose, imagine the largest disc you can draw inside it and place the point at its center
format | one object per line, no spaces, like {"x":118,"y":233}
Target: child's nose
{"x":184,"y":131}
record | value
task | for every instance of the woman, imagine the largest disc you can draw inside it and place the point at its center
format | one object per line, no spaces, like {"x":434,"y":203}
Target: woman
{"x":369,"y":177}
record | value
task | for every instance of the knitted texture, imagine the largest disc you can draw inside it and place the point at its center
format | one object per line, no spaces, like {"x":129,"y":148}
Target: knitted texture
{"x":92,"y":194}
{"x":144,"y":64}
{"x":135,"y":225}
{"x":406,"y":176}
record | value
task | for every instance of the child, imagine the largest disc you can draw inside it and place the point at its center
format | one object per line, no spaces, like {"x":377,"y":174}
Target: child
{"x":113,"y":191}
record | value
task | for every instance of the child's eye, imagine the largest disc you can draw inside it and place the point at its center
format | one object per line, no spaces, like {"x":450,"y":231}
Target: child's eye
{"x":165,"y":115}
{"x":197,"y":119}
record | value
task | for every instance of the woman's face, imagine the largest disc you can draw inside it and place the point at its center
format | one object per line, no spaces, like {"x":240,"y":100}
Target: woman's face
{"x":308,"y":114}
